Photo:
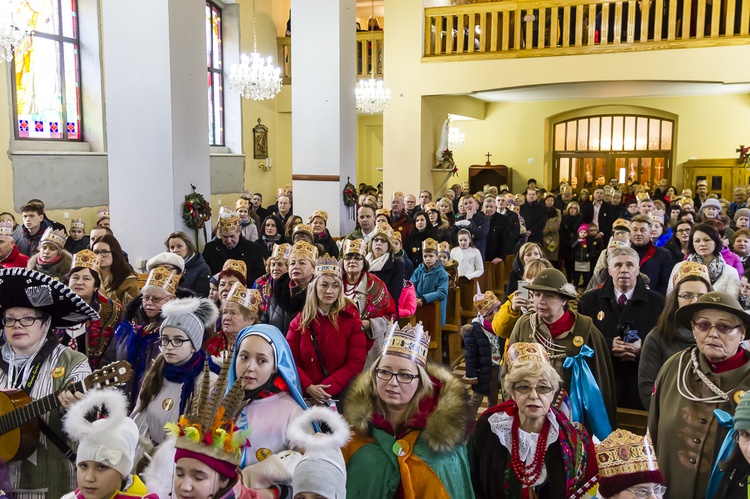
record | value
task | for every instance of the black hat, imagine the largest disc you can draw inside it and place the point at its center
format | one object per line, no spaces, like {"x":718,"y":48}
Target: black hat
{"x":27,"y":288}
{"x":716,"y":300}
{"x":554,"y":281}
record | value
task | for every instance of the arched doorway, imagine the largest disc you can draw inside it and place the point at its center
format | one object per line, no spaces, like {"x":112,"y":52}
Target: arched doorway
{"x":628,"y":144}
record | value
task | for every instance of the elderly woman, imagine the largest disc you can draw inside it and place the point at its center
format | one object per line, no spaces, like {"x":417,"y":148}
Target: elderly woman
{"x":713,"y":374}
{"x":409,"y":420}
{"x":197,"y":273}
{"x":277,"y":265}
{"x":290,"y":289}
{"x":322,"y":237}
{"x":34,"y":361}
{"x":668,"y":337}
{"x":383,"y":263}
{"x":525,"y":447}
{"x":119,"y":280}
{"x":137,"y":335}
{"x":273,"y":234}
{"x":375,"y":305}
{"x":327,"y":339}
{"x":571,"y":339}
{"x":527,"y":253}
{"x":52,"y":259}
{"x":238,"y":311}
{"x":95,"y":337}
{"x":705,"y":247}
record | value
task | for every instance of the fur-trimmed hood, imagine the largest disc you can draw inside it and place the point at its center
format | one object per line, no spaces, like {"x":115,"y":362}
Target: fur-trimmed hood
{"x":445,"y":427}
{"x":56,"y":271}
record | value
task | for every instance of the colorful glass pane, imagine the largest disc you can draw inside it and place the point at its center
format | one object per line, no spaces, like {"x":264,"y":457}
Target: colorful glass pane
{"x":216,"y":37}
{"x":215,"y":86}
{"x":38,"y":86}
{"x":218,"y":108}
{"x":44,"y":15}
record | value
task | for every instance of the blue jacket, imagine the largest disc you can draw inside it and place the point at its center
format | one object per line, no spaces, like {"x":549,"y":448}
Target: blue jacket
{"x":432,"y":285}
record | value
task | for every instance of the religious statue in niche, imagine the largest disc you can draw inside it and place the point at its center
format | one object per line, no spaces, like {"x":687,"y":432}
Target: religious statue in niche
{"x":260,"y":141}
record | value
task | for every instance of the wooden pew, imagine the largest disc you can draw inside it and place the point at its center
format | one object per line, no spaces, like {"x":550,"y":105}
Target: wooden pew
{"x":632,"y":420}
{"x":468,"y":289}
{"x":429,"y":316}
{"x":452,"y":347}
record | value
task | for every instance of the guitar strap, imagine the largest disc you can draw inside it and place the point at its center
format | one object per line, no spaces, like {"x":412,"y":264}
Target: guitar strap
{"x":55,"y":439}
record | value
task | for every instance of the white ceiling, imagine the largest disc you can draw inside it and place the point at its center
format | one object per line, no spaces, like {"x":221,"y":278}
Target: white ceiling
{"x":608,"y":90}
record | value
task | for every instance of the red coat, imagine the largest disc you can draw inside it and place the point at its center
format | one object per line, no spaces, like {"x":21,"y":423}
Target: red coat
{"x":343,"y":350}
{"x":15,"y":259}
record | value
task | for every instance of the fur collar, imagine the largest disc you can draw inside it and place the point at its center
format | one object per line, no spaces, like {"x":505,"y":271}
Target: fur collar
{"x":445,"y":427}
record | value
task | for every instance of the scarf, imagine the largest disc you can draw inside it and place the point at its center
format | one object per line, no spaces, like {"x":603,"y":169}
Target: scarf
{"x":562,"y":325}
{"x":187,"y":373}
{"x":270,"y":241}
{"x":715,"y":268}
{"x":376,"y":264}
{"x":46,"y":265}
{"x":274,"y":385}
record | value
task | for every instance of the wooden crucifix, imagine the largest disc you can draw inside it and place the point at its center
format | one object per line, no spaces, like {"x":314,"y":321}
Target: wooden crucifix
{"x":488,"y":157}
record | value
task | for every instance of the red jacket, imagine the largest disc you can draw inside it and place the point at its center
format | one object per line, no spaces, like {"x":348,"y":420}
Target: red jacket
{"x":15,"y":259}
{"x":343,"y":350}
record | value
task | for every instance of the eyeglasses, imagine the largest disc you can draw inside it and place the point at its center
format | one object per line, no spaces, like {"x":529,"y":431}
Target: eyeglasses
{"x":176,"y":342}
{"x":153,"y":299}
{"x":690,"y":296}
{"x":354,"y":256}
{"x":403,"y":378}
{"x":682,"y":230}
{"x":102,"y":252}
{"x":540,"y":389}
{"x":706,"y":326}
{"x":379,"y":240}
{"x":23,"y":321}
{"x":644,"y":493}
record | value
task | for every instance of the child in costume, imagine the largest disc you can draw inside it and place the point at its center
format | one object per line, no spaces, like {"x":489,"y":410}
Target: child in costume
{"x":430,"y":279}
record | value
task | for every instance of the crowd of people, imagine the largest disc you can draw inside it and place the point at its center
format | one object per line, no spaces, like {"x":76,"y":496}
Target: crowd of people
{"x":281,"y":362}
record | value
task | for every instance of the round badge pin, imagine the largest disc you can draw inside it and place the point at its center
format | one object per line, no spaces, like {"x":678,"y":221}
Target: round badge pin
{"x":401,"y":448}
{"x":262,"y":454}
{"x":578,"y":341}
{"x":600,"y":315}
{"x":738,"y":396}
{"x":167,"y":404}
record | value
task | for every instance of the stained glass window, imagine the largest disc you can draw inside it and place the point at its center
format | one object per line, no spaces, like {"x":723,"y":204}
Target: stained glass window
{"x":215,"y":77}
{"x":47,"y":87}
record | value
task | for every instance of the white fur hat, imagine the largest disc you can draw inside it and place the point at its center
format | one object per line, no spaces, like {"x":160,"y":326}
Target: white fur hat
{"x":104,"y":432}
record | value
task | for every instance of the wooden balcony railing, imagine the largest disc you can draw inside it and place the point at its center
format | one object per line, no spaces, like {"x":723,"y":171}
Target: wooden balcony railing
{"x":368,"y":43}
{"x":530,"y":28}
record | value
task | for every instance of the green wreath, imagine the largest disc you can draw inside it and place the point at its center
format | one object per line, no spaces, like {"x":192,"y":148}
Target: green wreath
{"x":350,"y":194}
{"x":196,"y":211}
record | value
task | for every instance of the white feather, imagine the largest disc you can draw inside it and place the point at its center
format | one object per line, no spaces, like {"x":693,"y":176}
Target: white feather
{"x":158,"y":476}
{"x":75,"y":423}
{"x":300,"y":431}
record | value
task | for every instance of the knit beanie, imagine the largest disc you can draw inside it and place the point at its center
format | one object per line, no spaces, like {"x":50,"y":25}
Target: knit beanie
{"x":742,"y":212}
{"x":191,"y":316}
{"x":711,"y":202}
{"x":105,"y":433}
{"x":583,"y":227}
{"x":742,"y":414}
{"x":322,"y":469}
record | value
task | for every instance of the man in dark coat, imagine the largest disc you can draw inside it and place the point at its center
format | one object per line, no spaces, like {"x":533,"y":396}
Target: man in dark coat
{"x":600,"y":213}
{"x":494,"y":235}
{"x":475,"y":222}
{"x":510,"y":228}
{"x":400,"y":221}
{"x":624,"y":310}
{"x":656,"y":263}
{"x":535,"y":215}
{"x":231,"y":245}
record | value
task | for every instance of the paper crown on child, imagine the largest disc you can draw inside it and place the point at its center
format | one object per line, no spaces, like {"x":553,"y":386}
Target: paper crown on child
{"x":444,"y":247}
{"x":206,"y":431}
{"x":642,"y":196}
{"x":384,"y":229}
{"x":101,"y":214}
{"x":396,"y":235}
{"x":327,"y":266}
{"x":247,"y":298}
{"x":303,"y":250}
{"x":486,"y":303}
{"x":354,"y":246}
{"x":228,"y":220}
{"x":431,"y":207}
{"x":86,"y":259}
{"x":625,"y":460}
{"x":281,"y":251}
{"x":318,"y":214}
{"x":688,"y":269}
{"x":383,"y":211}
{"x":6,"y":228}
{"x":236,"y":266}
{"x":52,"y":236}
{"x":621,"y":224}
{"x":410,"y":342}
{"x":242,"y":203}
{"x":163,"y":278}
{"x":303,"y":229}
{"x":525,"y":352}
{"x":430,"y":244}
{"x":77,"y":223}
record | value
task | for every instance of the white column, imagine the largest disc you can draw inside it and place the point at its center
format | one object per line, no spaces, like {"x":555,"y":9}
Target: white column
{"x":157,"y":116}
{"x":323,"y":112}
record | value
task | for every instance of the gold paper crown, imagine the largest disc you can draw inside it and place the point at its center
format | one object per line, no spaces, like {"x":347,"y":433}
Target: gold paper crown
{"x":525,"y":352}
{"x":486,"y":303}
{"x":357,"y":246}
{"x":228,"y":220}
{"x":431,"y":207}
{"x":396,"y":235}
{"x":430,"y":244}
{"x":281,"y":251}
{"x":56,"y":237}
{"x":624,"y":453}
{"x":318,"y":213}
{"x":686,"y":200}
{"x":703,"y":182}
{"x":163,"y":278}
{"x":303,"y":250}
{"x":304,"y":229}
{"x":383,"y":211}
{"x":247,"y":298}
{"x":411,"y":342}
{"x":464,"y":185}
{"x":444,"y":247}
{"x":242,"y":203}
{"x":86,"y":259}
{"x":327,"y":266}
{"x":621,"y":223}
{"x":6,"y":228}
{"x":642,"y":196}
{"x":77,"y":223}
{"x":236,"y":265}
{"x":384,"y":229}
{"x":102,"y":213}
{"x":688,"y":269}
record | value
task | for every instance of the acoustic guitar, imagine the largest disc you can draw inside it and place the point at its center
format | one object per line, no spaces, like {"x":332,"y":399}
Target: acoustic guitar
{"x":19,"y":426}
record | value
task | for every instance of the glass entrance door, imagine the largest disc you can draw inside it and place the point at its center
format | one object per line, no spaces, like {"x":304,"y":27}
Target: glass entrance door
{"x":583,"y":170}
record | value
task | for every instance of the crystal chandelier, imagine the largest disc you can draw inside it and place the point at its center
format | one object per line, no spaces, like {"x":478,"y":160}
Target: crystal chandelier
{"x":14,"y":30}
{"x":370,"y":95}
{"x":256,"y":77}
